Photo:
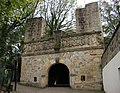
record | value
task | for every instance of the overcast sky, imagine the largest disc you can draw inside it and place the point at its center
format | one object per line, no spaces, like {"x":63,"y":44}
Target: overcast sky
{"x":83,"y":2}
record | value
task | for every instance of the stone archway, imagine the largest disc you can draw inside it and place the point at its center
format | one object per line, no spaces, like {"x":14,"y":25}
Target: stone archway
{"x":58,"y":76}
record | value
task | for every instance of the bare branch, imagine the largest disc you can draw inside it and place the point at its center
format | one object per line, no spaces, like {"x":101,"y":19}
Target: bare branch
{"x":56,"y":13}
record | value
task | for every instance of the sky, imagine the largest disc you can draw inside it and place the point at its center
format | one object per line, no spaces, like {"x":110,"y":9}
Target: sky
{"x":83,"y":2}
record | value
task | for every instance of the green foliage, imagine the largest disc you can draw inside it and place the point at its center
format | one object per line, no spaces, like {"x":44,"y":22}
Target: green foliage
{"x":13,"y":14}
{"x":1,"y":75}
{"x":5,"y":76}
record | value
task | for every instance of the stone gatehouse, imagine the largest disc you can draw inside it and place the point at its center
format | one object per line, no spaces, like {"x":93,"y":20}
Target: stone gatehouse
{"x":77,"y":64}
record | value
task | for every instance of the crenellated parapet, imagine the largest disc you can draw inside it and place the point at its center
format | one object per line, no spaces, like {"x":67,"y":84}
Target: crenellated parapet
{"x":88,"y":34}
{"x":88,"y":19}
{"x":35,"y":29}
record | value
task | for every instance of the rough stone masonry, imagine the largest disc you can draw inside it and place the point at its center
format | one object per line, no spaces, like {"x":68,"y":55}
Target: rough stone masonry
{"x":80,"y":53}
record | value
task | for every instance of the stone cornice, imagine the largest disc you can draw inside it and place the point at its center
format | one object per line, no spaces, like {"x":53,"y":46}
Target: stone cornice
{"x":65,"y":36}
{"x":62,"y":51}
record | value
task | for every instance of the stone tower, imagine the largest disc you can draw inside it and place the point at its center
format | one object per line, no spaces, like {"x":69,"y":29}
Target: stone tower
{"x":78,"y":62}
{"x":35,"y":29}
{"x":88,"y":18}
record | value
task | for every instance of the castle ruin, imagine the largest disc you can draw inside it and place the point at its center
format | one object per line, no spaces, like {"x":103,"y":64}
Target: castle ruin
{"x":78,"y":62}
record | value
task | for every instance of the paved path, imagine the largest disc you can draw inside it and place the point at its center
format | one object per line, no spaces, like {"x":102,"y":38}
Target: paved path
{"x":26,"y":89}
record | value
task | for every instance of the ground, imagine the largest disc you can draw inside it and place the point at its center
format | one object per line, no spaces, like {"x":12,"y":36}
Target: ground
{"x":27,"y":89}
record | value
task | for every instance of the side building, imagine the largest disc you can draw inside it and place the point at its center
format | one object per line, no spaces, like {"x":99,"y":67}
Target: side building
{"x":111,"y":64}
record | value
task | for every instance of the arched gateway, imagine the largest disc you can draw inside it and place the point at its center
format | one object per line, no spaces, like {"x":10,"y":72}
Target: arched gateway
{"x":80,"y":50}
{"x":58,"y":75}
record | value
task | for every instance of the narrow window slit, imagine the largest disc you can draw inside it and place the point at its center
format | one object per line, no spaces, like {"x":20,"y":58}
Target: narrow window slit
{"x":82,"y":78}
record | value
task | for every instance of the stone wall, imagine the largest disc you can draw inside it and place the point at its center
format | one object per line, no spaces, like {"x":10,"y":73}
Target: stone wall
{"x":88,"y":18}
{"x":35,"y":29}
{"x":112,"y":48}
{"x":87,"y":63}
{"x":71,"y":42}
{"x":80,"y":52}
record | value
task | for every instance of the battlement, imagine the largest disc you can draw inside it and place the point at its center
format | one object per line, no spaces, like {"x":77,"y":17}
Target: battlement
{"x":35,"y":29}
{"x":88,"y":26}
{"x":88,"y":19}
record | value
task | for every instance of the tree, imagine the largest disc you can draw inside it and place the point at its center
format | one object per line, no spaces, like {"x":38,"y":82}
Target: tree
{"x":111,"y":16}
{"x":13,"y":14}
{"x":58,"y":14}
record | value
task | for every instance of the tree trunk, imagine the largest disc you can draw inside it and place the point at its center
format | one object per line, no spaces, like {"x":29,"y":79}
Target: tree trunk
{"x":0,"y":88}
{"x":15,"y":75}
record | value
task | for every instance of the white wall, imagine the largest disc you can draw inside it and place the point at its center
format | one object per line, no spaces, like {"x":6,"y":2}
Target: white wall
{"x":111,"y":75}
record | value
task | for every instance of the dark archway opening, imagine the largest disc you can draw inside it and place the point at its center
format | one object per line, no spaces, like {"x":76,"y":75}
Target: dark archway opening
{"x":58,"y":76}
